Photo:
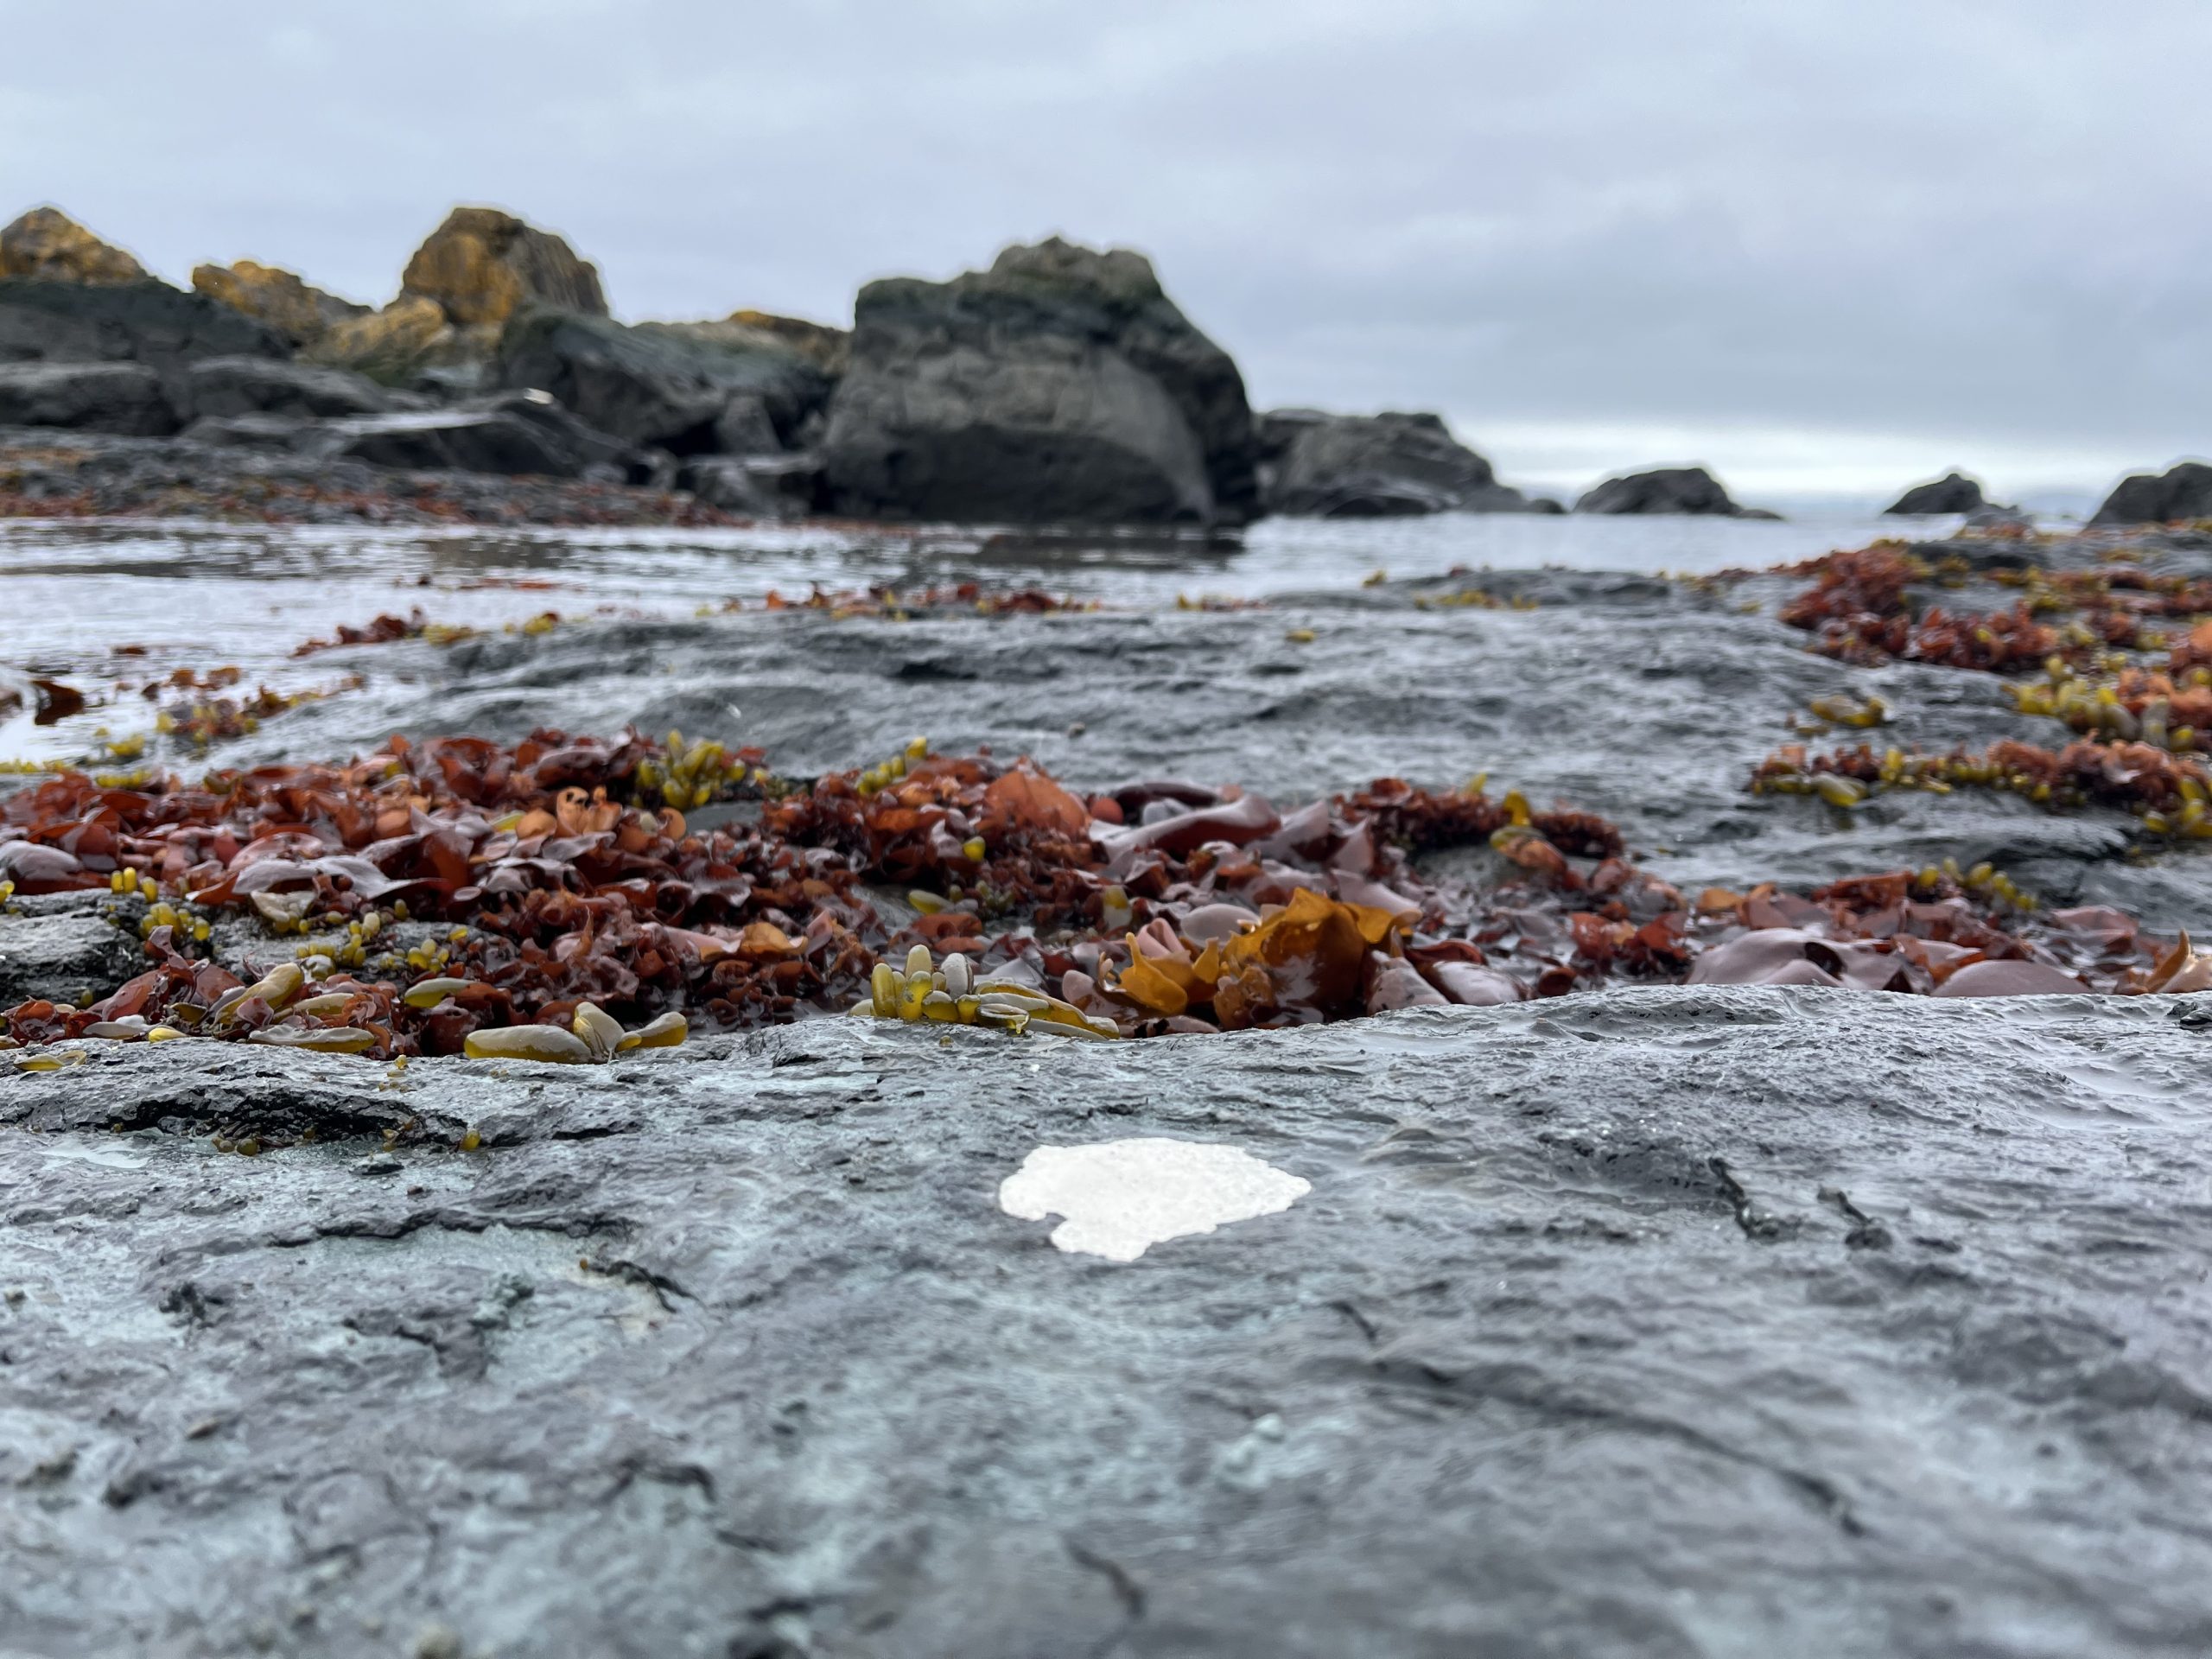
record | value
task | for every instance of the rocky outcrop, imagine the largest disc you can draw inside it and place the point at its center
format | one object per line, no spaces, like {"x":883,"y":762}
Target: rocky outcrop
{"x":480,"y":270}
{"x":1317,"y":466}
{"x":483,"y":265}
{"x":689,"y":388}
{"x":298,"y":313}
{"x":2183,"y":491}
{"x":47,"y":246}
{"x":1668,"y":490}
{"x":226,"y":386}
{"x":120,"y":397}
{"x":1954,"y":492}
{"x":1062,"y":384}
{"x":151,"y":324}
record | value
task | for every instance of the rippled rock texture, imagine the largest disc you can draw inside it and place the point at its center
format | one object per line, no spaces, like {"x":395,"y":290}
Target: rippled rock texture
{"x":1660,"y":1322}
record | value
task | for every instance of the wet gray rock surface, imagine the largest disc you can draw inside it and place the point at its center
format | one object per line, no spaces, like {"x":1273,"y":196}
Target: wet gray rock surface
{"x":229,"y":386}
{"x":1650,"y":1322}
{"x":58,"y":946}
{"x":120,"y":397}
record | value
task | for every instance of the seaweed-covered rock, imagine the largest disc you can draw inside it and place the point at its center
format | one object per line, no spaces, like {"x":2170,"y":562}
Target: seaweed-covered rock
{"x":223,"y":386}
{"x":47,"y":246}
{"x":2182,"y":492}
{"x":121,"y":397}
{"x":1061,"y":385}
{"x":1320,"y":466}
{"x":1954,"y":492}
{"x":301,"y":313}
{"x":1667,"y":490}
{"x":689,"y":388}
{"x":483,"y":265}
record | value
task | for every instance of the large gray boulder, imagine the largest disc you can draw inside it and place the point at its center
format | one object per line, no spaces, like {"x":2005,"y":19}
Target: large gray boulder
{"x":121,"y":397}
{"x":1667,"y":490}
{"x":687,"y":388}
{"x":2184,"y":492}
{"x":1663,"y":1322}
{"x":1319,"y":466}
{"x":225,"y":386}
{"x":1062,"y":384}
{"x":150,"y":323}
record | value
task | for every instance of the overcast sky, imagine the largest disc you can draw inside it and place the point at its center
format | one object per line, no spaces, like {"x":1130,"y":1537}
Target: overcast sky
{"x":1819,"y":244}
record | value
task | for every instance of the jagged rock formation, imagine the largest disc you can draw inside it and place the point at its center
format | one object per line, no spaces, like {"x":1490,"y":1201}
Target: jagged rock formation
{"x":1061,"y":385}
{"x":1320,"y":466}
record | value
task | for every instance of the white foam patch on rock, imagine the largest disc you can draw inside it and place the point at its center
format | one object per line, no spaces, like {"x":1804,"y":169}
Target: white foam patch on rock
{"x":1119,"y":1197}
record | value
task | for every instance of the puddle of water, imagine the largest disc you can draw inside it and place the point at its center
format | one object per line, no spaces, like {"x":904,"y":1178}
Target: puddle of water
{"x":1119,"y":1197}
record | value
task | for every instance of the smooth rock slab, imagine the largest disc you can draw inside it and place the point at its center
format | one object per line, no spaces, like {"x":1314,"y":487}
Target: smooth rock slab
{"x":1666,"y":1322}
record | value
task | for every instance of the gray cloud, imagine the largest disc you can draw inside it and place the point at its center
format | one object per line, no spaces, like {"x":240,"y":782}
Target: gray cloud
{"x":1808,"y":243}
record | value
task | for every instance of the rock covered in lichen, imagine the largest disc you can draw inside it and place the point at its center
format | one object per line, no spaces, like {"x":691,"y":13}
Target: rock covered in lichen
{"x":47,"y":246}
{"x":482,"y":265}
{"x":300,"y":313}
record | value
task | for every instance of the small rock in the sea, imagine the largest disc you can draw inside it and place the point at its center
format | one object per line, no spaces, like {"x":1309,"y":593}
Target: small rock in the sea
{"x":1119,"y":1197}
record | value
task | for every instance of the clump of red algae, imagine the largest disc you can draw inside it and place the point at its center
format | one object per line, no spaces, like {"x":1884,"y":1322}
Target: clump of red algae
{"x":1155,"y":906}
{"x":1859,"y":610}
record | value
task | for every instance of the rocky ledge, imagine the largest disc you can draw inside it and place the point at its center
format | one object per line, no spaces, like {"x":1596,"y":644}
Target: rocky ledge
{"x":1647,"y":1321}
